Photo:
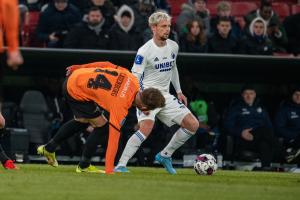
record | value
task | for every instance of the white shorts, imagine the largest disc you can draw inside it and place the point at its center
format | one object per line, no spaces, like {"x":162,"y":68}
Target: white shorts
{"x":173,"y":112}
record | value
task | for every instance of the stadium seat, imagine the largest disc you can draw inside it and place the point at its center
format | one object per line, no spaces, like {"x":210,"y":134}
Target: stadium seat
{"x":282,"y":10}
{"x":212,"y":7}
{"x":36,"y":118}
{"x":175,"y":8}
{"x":240,"y":9}
{"x":29,"y":37}
{"x":295,"y":9}
{"x":277,"y":54}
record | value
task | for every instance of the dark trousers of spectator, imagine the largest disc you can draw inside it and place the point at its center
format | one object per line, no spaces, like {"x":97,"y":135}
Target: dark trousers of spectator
{"x":296,"y":142}
{"x":264,"y":143}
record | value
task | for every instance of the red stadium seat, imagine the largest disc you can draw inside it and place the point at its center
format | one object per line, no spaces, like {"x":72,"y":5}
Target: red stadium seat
{"x":277,"y":54}
{"x":240,"y":9}
{"x":176,"y":6}
{"x":282,"y":10}
{"x":295,"y":9}
{"x":212,"y":7}
{"x":28,"y":32}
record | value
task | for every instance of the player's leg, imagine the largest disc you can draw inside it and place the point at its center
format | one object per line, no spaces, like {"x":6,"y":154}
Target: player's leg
{"x":66,"y":130}
{"x":101,"y":126}
{"x":189,"y":126}
{"x":134,"y":143}
{"x":176,"y":112}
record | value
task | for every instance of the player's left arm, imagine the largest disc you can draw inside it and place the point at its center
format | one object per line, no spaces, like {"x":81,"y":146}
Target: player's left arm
{"x":117,"y":118}
{"x":10,"y":18}
{"x":176,"y":83}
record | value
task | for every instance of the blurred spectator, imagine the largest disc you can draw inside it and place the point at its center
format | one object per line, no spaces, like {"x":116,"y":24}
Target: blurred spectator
{"x":163,"y":5}
{"x":56,"y":21}
{"x":222,"y":41}
{"x":142,"y":10}
{"x":250,"y":124}
{"x":224,"y":10}
{"x":33,"y":5}
{"x":292,"y":27}
{"x":119,"y":3}
{"x":287,"y":124}
{"x":206,"y":113}
{"x":23,"y":21}
{"x":194,"y":10}
{"x":195,"y":39}
{"x":256,"y":41}
{"x":107,"y":9}
{"x":276,"y":31}
{"x":123,"y":34}
{"x":92,"y":34}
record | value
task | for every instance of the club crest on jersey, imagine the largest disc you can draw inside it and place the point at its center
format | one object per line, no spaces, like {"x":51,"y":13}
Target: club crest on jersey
{"x":138,"y":59}
{"x":173,"y":55}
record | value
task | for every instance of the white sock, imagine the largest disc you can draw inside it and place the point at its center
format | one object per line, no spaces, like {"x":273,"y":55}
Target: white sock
{"x":133,"y":144}
{"x":178,"y":139}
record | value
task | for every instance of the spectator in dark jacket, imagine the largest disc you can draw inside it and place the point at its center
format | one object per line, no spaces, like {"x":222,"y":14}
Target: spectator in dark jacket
{"x":287,"y":124}
{"x":250,"y":124}
{"x":123,"y":34}
{"x":276,"y":31}
{"x":195,"y":40}
{"x":224,"y":10}
{"x":107,"y":9}
{"x":92,"y":34}
{"x":256,"y":41}
{"x":222,"y":41}
{"x":292,"y":27}
{"x":56,"y":21}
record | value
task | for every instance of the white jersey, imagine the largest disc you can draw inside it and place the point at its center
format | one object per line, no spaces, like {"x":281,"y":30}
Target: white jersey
{"x":156,"y":66}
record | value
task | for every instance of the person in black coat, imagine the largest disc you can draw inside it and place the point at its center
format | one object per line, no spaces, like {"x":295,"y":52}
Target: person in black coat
{"x":287,"y":124}
{"x":123,"y":34}
{"x":223,"y":41}
{"x":292,"y":27}
{"x":56,"y":21}
{"x":224,"y":10}
{"x":92,"y":34}
{"x":256,"y":41}
{"x":251,"y":126}
{"x":107,"y":9}
{"x":195,"y":40}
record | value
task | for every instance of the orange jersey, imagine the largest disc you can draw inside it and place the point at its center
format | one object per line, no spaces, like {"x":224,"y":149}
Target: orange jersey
{"x":113,"y":88}
{"x":9,"y":24}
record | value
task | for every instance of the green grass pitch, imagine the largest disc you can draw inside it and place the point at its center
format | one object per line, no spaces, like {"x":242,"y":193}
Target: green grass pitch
{"x":42,"y":182}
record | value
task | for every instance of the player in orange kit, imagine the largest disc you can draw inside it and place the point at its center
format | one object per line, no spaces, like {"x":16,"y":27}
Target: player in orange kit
{"x":91,"y":90}
{"x":9,"y":23}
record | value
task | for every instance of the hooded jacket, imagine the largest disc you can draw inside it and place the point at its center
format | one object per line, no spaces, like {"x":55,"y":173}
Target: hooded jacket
{"x":256,"y":45}
{"x":125,"y":38}
{"x":241,"y":116}
{"x":279,"y":42}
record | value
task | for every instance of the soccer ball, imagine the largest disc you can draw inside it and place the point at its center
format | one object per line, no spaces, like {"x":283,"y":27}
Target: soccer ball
{"x":205,"y":164}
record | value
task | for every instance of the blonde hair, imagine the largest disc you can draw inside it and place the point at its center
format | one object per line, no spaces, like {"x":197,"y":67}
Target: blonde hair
{"x":223,"y":6}
{"x":157,"y":17}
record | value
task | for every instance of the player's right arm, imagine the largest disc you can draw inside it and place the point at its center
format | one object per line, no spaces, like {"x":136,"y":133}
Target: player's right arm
{"x":139,"y":66}
{"x":104,"y":64}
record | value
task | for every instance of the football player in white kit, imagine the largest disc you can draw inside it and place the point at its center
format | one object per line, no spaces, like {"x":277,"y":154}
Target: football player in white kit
{"x":155,"y":66}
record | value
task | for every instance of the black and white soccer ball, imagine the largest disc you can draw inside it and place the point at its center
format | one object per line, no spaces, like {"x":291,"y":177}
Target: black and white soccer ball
{"x":205,"y":164}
